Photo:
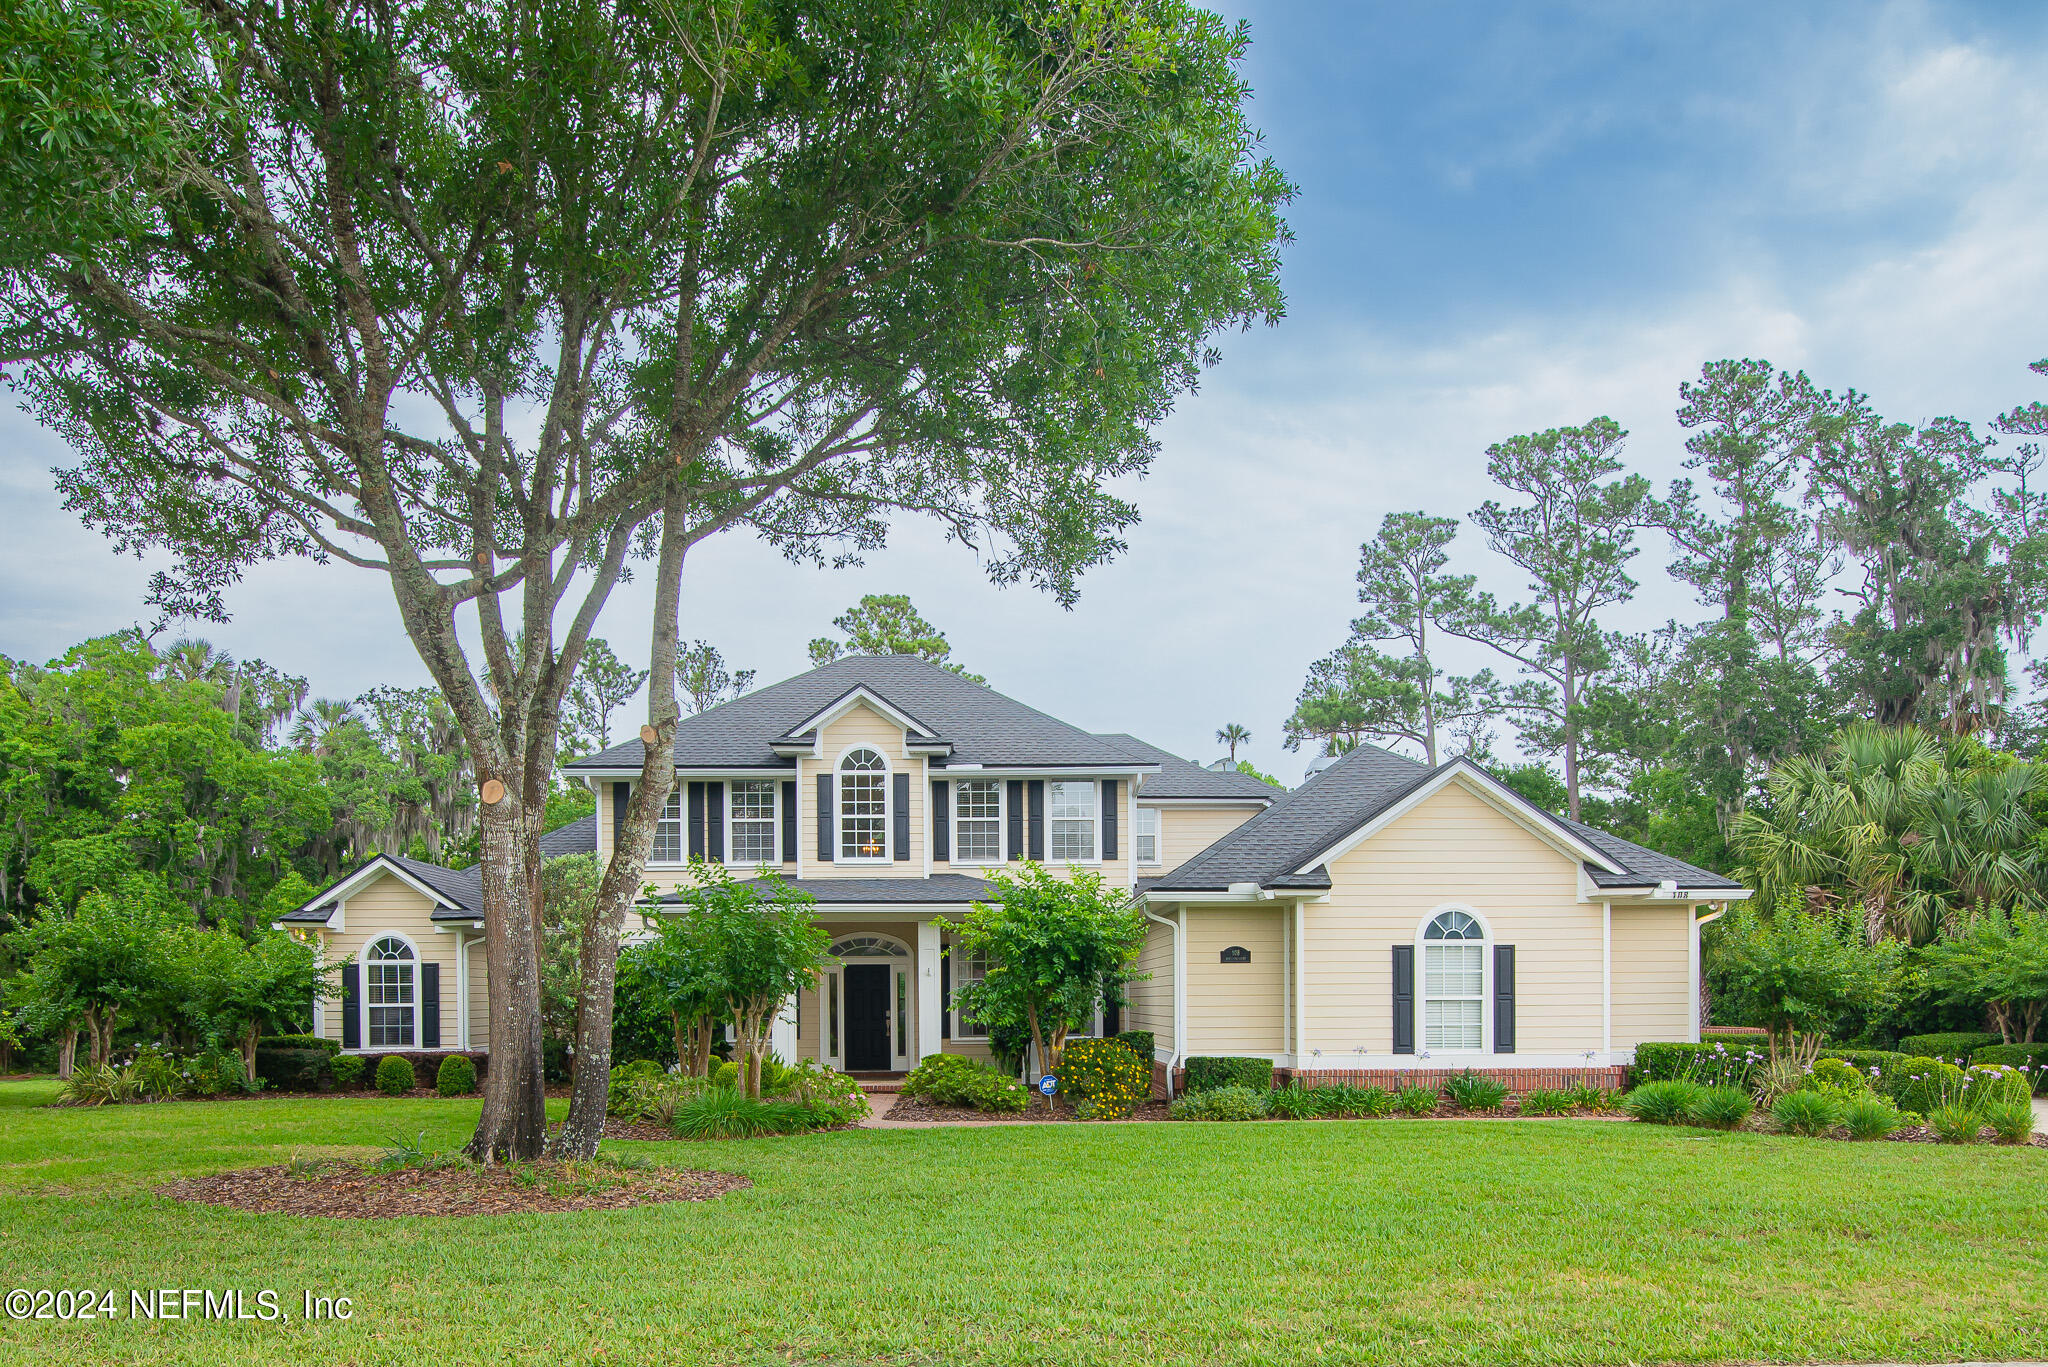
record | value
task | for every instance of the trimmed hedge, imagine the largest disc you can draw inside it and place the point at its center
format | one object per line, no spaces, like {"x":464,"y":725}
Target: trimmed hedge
{"x":347,"y":1071}
{"x":1949,"y":1046}
{"x":2033,"y":1057}
{"x":457,"y":1076}
{"x":1890,"y":1066}
{"x":292,"y":1070}
{"x":1708,"y":1063}
{"x":1141,"y":1043}
{"x":332,"y":1046}
{"x":395,"y":1075}
{"x":1207,"y":1074}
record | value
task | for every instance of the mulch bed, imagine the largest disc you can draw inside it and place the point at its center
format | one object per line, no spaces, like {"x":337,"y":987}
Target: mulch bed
{"x":347,"y":1192}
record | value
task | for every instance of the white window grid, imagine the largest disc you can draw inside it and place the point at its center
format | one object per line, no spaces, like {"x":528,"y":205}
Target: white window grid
{"x":1454,"y":983}
{"x":668,"y":831}
{"x":752,"y":806}
{"x":388,"y":992}
{"x":1145,"y":838}
{"x":1072,"y":816}
{"x":978,"y":821}
{"x":863,"y":806}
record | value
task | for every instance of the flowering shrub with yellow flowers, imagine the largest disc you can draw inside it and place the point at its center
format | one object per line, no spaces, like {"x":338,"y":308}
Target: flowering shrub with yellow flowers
{"x":1105,"y":1078}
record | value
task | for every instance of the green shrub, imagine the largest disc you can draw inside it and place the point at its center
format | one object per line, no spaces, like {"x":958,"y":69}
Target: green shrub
{"x":1807,"y":1113}
{"x":332,"y":1046}
{"x":346,"y":1070}
{"x":1546,"y":1101}
{"x":1956,"y":1123}
{"x":1471,"y":1092}
{"x":619,"y":1087}
{"x":1877,"y":1066}
{"x":456,"y":1076}
{"x":1923,"y":1084}
{"x":729,"y":1113}
{"x":2012,"y":1121}
{"x":1719,"y":1108}
{"x":834,"y":1098}
{"x":1105,"y":1074}
{"x":725,"y":1073}
{"x":1993,"y":1082}
{"x":215,"y":1072}
{"x":953,"y":1080}
{"x":104,"y":1085}
{"x":1838,"y":1077}
{"x":292,"y":1070}
{"x":1948,"y":1046}
{"x":1713,"y":1065}
{"x":1299,"y":1103}
{"x":1141,"y":1043}
{"x":395,"y":1075}
{"x":1207,"y":1074}
{"x":1669,"y":1102}
{"x":1870,"y":1117}
{"x":1736,"y":1040}
{"x":1416,"y":1099}
{"x":1222,"y":1103}
{"x":158,"y":1076}
{"x":1587,"y":1097}
{"x":1373,"y":1103}
{"x":2032,"y":1057}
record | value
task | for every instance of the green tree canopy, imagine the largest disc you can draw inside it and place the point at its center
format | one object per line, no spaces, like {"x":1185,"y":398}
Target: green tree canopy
{"x":887,"y":624}
{"x":1799,"y":974}
{"x":1995,"y":961}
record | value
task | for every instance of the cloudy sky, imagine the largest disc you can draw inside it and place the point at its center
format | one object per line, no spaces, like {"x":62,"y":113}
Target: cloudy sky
{"x":1510,"y":218}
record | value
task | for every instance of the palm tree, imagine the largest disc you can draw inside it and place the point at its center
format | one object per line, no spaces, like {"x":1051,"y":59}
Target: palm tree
{"x":320,"y":721}
{"x":190,"y":659}
{"x":1978,"y":835}
{"x":1233,"y":736}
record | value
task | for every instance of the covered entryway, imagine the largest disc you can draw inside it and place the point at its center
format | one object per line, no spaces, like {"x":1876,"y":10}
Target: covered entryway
{"x":866,"y":994}
{"x":867,"y":1018}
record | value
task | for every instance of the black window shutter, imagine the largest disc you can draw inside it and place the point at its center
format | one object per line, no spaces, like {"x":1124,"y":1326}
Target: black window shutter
{"x":714,"y":819}
{"x":1109,"y":787}
{"x":789,"y":821}
{"x":1404,"y":999}
{"x":619,"y":794}
{"x":430,"y":1006}
{"x":1016,"y":799}
{"x":825,"y":817}
{"x":899,"y":795}
{"x":696,"y":821}
{"x":945,"y":993}
{"x":1503,"y":999}
{"x":1112,"y":1020}
{"x":942,"y":840}
{"x":351,"y":1008}
{"x":1036,"y":787}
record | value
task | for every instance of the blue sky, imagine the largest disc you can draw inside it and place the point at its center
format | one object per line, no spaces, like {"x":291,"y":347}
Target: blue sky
{"x":1510,"y":218}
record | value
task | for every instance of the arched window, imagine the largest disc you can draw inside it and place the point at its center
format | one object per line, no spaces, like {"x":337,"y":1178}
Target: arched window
{"x":863,"y":805}
{"x":1454,"y":983}
{"x":869,"y":946}
{"x":390,"y":974}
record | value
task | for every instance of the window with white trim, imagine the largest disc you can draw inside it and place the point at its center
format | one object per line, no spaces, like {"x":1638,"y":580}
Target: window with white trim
{"x":1146,"y":836}
{"x":389,"y":975}
{"x":863,"y":806}
{"x":1072,"y":815}
{"x":966,"y":970}
{"x":751,"y":808}
{"x":978,"y":821}
{"x":668,"y":831}
{"x":1454,"y":983}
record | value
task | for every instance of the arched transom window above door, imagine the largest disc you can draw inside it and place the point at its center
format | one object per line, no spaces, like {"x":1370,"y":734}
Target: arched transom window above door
{"x":863,"y":805}
{"x":869,"y":946}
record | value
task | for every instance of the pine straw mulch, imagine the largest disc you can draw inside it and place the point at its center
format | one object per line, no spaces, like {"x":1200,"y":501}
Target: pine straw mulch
{"x":350,"y":1191}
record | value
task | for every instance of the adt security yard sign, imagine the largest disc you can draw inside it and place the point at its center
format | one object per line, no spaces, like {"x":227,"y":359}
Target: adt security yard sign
{"x":1048,"y":1084}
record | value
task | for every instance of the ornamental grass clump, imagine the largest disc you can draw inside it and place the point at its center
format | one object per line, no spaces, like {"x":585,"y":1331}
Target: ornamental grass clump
{"x":1663,"y":1103}
{"x":1547,"y":1101}
{"x":1807,"y":1113}
{"x":1416,"y":1100}
{"x":1719,"y":1108}
{"x":1299,"y":1103}
{"x":1957,"y":1122}
{"x":2012,"y":1122}
{"x":729,"y":1113}
{"x":1871,"y":1117}
{"x":1471,"y":1092}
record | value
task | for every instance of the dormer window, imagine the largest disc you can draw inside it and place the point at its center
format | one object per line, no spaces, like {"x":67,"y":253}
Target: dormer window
{"x":863,"y":806}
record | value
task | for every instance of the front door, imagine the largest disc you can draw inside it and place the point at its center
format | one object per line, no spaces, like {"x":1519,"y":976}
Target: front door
{"x":867,"y":1018}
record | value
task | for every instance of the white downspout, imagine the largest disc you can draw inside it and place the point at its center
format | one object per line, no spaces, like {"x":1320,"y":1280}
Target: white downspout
{"x":1179,"y":995}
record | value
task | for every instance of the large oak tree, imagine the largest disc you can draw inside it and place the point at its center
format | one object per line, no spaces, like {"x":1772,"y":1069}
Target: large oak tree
{"x":501,"y":299}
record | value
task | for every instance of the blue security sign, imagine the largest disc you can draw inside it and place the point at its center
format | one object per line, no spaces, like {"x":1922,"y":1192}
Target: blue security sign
{"x":1048,"y":1084}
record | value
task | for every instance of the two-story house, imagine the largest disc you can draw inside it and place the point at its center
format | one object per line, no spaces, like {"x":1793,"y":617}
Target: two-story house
{"x":1384,"y":917}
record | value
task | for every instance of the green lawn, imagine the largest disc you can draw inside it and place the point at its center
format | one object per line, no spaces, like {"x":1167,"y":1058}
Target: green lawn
{"x":1387,"y":1241}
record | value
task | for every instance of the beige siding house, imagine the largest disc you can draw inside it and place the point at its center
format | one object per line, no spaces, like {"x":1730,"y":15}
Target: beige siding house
{"x":1385,"y":918}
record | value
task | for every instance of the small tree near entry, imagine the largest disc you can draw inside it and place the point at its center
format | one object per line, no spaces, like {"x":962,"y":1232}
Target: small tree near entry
{"x":1998,"y":962}
{"x":761,"y":947}
{"x":1055,"y":947}
{"x":678,"y":972}
{"x":1796,"y":974}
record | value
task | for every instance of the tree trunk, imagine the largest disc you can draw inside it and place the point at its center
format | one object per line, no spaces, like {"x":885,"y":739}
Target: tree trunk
{"x":249,"y":1037}
{"x":513,"y":1125}
{"x":631,"y":844}
{"x":67,"y":1052}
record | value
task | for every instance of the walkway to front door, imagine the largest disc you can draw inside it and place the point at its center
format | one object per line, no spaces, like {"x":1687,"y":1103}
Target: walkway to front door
{"x":867,"y":1017}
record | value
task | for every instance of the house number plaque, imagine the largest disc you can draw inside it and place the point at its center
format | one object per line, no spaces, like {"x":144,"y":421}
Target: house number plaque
{"x":1237,"y":954}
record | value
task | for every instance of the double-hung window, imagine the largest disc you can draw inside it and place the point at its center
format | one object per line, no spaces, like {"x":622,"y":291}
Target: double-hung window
{"x":752,"y":808}
{"x":1073,"y":821}
{"x":1454,"y":983}
{"x":668,"y":831}
{"x":966,"y":970}
{"x":978,"y":821}
{"x":863,"y":806}
{"x":1146,"y":837}
{"x":388,"y":974}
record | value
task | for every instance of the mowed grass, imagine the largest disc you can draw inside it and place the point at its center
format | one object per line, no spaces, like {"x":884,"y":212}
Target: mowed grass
{"x":1387,"y":1241}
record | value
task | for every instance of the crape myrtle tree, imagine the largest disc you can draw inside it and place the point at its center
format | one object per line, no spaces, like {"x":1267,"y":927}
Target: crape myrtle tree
{"x":501,"y":300}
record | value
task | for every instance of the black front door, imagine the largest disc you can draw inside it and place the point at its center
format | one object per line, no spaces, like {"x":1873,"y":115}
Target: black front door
{"x":867,"y":1018}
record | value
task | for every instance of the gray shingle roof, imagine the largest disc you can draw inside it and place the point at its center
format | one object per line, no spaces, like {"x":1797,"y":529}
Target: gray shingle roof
{"x":939,"y":888}
{"x":1269,"y":848}
{"x":1180,"y":778}
{"x":984,"y":726}
{"x":462,"y":890}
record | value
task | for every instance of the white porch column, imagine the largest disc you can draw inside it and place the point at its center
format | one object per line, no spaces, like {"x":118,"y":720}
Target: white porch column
{"x":928,"y":1005}
{"x":782,"y":1034}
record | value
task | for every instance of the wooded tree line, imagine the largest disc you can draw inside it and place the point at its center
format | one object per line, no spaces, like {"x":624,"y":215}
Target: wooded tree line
{"x":1853,"y":568}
